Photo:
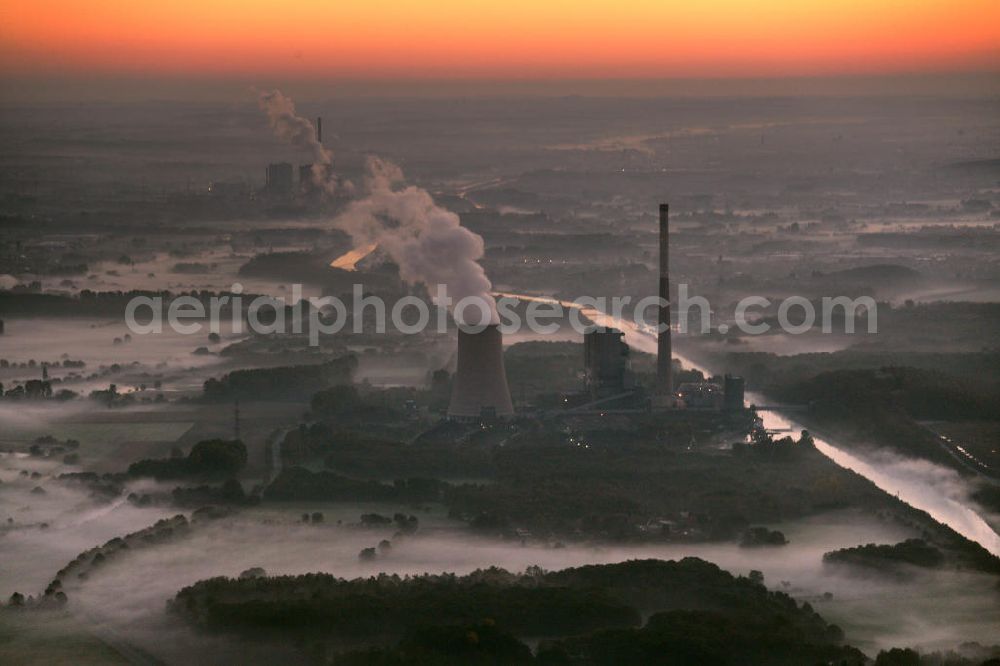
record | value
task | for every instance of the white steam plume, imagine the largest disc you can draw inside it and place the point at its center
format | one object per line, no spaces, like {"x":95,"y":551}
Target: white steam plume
{"x":299,"y":132}
{"x":424,"y":239}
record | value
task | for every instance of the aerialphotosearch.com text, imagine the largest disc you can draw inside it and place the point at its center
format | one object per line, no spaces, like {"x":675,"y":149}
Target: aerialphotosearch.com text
{"x":409,"y":315}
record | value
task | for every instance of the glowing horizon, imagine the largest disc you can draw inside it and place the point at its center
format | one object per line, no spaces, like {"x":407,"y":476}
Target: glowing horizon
{"x":447,"y":38}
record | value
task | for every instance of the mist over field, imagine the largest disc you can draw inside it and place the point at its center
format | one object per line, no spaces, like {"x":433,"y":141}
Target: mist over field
{"x":128,"y":598}
{"x":848,"y":473}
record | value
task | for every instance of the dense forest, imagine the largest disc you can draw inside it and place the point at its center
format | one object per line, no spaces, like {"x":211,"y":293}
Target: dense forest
{"x":279,"y":383}
{"x":913,"y":552}
{"x":591,"y":614}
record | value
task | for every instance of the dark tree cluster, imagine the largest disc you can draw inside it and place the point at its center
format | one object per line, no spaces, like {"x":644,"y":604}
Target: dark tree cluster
{"x":914,"y":552}
{"x":296,"y":382}
{"x":761,"y":536}
{"x":94,"y":559}
{"x":229,"y":492}
{"x":589,"y":615}
{"x":212,"y":458}
{"x":297,"y":483}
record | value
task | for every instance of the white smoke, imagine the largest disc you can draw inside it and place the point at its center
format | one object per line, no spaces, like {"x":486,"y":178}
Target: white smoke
{"x":425,"y":240}
{"x":299,"y":132}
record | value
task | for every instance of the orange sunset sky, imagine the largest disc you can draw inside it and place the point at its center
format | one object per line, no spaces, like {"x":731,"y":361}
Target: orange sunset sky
{"x":515,"y":38}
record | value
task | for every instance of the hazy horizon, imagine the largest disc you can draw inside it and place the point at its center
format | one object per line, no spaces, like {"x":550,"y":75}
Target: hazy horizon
{"x":105,"y":88}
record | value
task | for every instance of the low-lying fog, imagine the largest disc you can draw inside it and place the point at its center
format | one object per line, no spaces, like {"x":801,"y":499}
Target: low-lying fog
{"x":215,"y":268}
{"x":128,"y":595}
{"x":928,"y":487}
{"x":940,"y":492}
{"x":101,"y":343}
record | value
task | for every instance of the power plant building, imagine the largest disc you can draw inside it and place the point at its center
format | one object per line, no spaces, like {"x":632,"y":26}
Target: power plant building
{"x":607,"y":370}
{"x":701,"y":395}
{"x":734,"y":389}
{"x":306,"y":182}
{"x":312,"y":176}
{"x":280,"y":179}
{"x":479,"y":390}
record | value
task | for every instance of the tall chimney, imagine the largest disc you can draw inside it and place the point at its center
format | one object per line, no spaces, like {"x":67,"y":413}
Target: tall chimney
{"x":664,"y":367}
{"x":319,"y":128}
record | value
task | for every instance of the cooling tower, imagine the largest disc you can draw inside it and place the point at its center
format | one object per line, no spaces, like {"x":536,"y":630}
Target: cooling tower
{"x":480,"y":386}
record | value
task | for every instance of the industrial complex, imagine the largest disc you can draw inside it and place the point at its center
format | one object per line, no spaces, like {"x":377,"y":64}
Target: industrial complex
{"x":480,"y":391}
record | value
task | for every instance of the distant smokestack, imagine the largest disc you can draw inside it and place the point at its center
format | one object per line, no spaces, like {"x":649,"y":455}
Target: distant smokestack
{"x":664,"y":352}
{"x":480,"y":387}
{"x":319,"y":128}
